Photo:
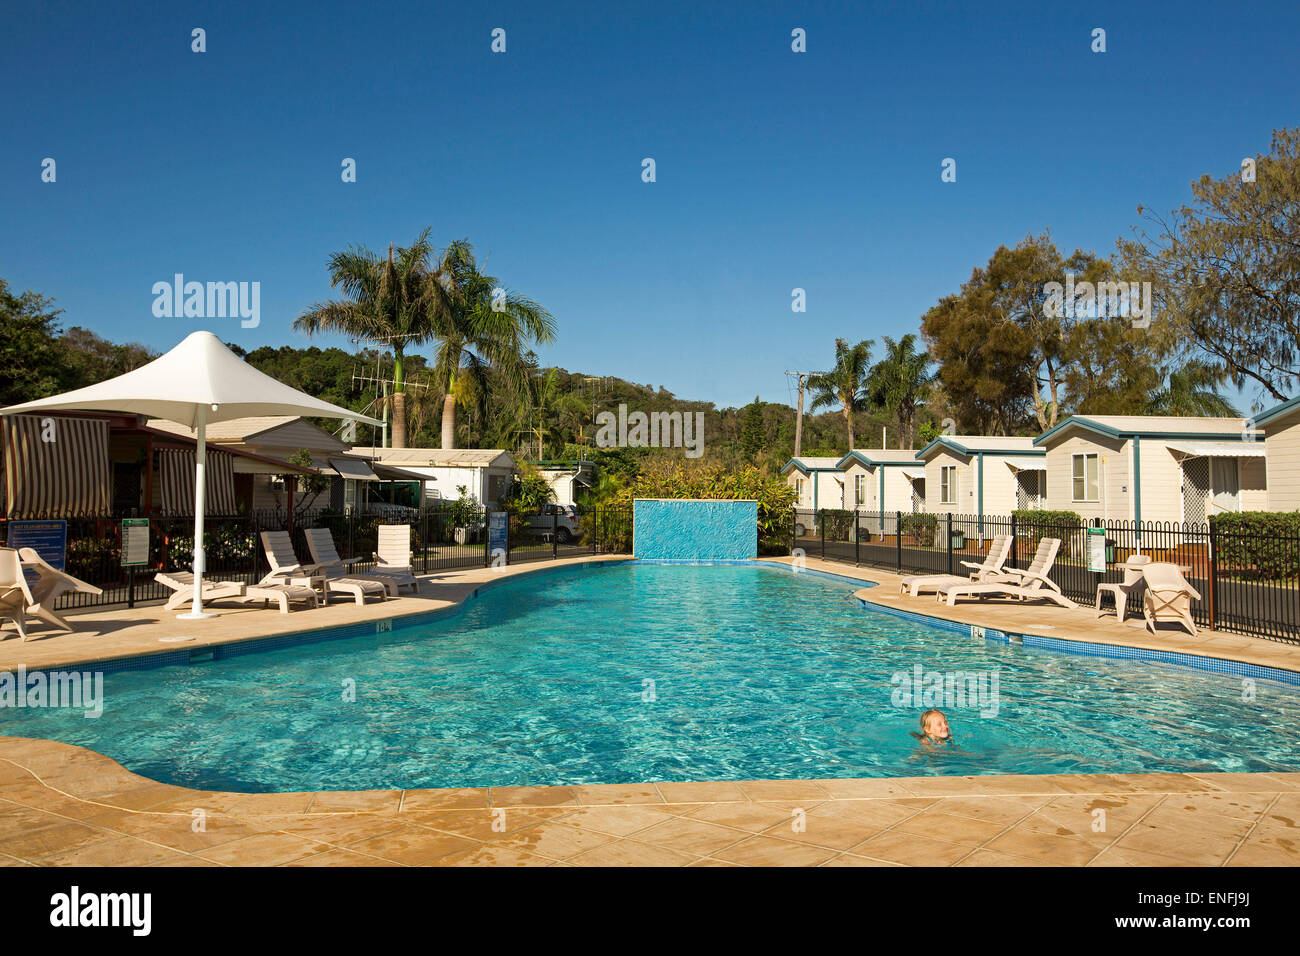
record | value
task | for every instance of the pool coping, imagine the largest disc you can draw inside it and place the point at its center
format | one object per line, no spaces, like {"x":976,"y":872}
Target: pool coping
{"x":65,"y":805}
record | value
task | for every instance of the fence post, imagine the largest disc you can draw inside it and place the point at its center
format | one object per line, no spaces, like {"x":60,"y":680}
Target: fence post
{"x":948,"y":536}
{"x":898,"y":540}
{"x":555,"y":535}
{"x":1015,"y":542}
{"x":857,"y":539}
{"x":487,"y":538}
{"x":1214,"y":574}
{"x":255,"y":550}
{"x":821,"y":518}
{"x":352,"y":534}
{"x":424,"y":540}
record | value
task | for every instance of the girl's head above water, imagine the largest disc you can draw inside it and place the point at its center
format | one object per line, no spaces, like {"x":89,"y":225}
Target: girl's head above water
{"x":934,"y":725}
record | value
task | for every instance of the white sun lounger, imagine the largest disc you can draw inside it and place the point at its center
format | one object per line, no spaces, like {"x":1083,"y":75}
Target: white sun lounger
{"x":285,"y":568}
{"x":321,"y":544}
{"x":393,"y":559}
{"x":1030,"y":584}
{"x":918,"y":584}
{"x":283,"y":594}
{"x":999,"y":549}
{"x":182,"y":583}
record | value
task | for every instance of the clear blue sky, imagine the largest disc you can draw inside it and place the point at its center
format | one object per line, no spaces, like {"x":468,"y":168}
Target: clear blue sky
{"x":775,"y":170}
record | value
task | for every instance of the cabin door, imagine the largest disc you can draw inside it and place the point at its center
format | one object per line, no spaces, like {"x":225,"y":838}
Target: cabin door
{"x":1196,"y":490}
{"x":1225,"y":485}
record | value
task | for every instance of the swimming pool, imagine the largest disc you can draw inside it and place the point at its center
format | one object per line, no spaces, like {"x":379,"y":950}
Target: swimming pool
{"x":639,"y":672}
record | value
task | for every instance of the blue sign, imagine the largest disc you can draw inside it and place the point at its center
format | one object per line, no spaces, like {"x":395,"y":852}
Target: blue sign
{"x":49,"y":539}
{"x":498,"y":530}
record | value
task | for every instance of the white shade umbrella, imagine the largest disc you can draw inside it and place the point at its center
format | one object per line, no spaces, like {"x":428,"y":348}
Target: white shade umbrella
{"x":197,"y":382}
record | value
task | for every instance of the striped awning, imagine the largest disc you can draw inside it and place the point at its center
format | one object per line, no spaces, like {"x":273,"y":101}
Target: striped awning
{"x":176,"y":478}
{"x":56,"y":467}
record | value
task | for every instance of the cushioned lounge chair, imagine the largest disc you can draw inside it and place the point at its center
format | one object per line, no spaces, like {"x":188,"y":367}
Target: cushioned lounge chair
{"x":286,"y":569}
{"x":327,"y":561}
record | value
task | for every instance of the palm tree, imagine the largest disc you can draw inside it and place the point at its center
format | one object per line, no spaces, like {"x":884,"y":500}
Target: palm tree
{"x":390,"y":303}
{"x":482,"y":326}
{"x":1193,"y":390}
{"x":900,"y":381}
{"x":845,"y":384}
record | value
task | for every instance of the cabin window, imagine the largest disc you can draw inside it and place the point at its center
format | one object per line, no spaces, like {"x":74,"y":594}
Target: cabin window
{"x":948,"y":485}
{"x":859,"y":490}
{"x":1084,"y":472}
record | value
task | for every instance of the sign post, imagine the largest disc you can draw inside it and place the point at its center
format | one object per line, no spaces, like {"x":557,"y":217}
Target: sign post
{"x":49,"y":539}
{"x":135,"y":551}
{"x":1097,"y":550}
{"x":498,"y":537}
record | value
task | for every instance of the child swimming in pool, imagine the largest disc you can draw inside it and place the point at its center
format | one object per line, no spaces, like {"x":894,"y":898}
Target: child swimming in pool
{"x":934,"y":730}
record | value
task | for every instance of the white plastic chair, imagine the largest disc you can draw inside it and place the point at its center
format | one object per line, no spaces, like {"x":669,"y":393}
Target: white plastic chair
{"x":1168,"y":596}
{"x":1134,"y":581}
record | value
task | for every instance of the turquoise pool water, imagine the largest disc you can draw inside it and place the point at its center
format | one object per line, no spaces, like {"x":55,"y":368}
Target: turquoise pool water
{"x":756,"y":673}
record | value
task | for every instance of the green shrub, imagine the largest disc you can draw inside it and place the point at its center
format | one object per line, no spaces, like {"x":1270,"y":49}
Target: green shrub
{"x":836,"y":524}
{"x":921,"y":528}
{"x":1263,"y":544}
{"x":1032,"y":520}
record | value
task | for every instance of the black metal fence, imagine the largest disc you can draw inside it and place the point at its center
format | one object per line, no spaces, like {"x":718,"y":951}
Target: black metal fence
{"x":440,"y":540}
{"x":1249,"y":582}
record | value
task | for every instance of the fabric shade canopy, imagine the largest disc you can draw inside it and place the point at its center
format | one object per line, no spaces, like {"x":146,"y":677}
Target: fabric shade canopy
{"x":913,"y":473}
{"x":197,"y":382}
{"x":1218,"y":449}
{"x":353,"y":468}
{"x":56,"y":467}
{"x":176,"y":477}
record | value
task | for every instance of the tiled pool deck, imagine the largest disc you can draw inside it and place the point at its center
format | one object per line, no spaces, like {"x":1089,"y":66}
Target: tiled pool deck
{"x":63,"y":805}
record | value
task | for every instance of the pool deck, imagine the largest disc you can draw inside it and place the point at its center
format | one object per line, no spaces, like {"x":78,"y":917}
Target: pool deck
{"x":64,"y":805}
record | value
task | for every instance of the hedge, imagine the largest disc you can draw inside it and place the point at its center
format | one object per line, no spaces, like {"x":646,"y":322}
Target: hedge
{"x":1264,"y":543}
{"x":1031,"y":519}
{"x":920,"y":527}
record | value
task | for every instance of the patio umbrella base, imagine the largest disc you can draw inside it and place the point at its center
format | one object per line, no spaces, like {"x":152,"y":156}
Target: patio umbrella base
{"x":195,"y":616}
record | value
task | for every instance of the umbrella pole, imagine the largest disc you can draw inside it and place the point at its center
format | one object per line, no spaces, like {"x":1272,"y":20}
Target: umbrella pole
{"x":200,"y":558}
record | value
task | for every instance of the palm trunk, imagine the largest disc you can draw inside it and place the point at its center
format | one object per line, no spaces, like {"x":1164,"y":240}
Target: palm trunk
{"x":399,"y":419}
{"x":848,"y":420}
{"x":399,"y":402}
{"x":449,"y":420}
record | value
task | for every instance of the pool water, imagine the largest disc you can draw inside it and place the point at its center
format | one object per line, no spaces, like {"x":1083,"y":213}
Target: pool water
{"x":635,"y":672}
